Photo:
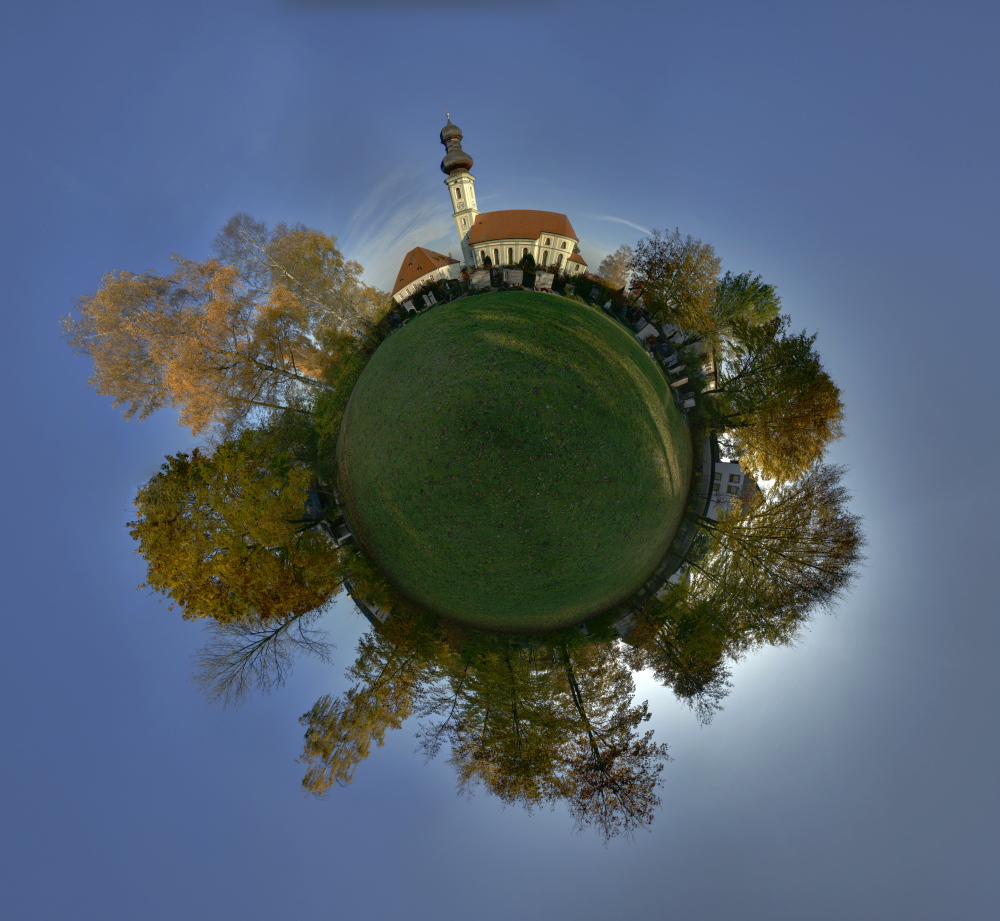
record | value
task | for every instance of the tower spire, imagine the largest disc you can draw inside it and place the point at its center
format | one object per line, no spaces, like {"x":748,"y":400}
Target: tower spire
{"x":455,"y":158}
{"x":461,"y":185}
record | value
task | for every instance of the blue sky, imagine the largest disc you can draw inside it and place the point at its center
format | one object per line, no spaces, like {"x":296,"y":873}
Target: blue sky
{"x":846,"y":152}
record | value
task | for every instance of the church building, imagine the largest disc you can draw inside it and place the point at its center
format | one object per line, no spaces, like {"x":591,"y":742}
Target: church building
{"x":492,"y":238}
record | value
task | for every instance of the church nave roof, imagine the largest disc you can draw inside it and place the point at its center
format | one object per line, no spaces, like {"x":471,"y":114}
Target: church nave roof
{"x":519,"y":225}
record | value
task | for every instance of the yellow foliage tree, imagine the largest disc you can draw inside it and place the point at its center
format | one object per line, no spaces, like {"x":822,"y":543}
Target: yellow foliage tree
{"x":677,"y":277}
{"x":223,"y":538}
{"x":219,"y":340}
{"x":777,"y":406}
{"x":391,"y":674}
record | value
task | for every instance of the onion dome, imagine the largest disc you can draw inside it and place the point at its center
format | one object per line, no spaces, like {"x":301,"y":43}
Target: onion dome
{"x":450,"y":131}
{"x":455,"y":158}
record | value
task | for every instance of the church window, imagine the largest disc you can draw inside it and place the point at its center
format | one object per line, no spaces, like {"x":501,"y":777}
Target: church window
{"x":548,"y":241}
{"x":545,"y":257}
{"x":524,"y":252}
{"x":482,"y":256}
{"x":458,"y":192}
{"x":464,"y":223}
{"x":510,"y":255}
{"x":559,"y":261}
{"x":563,"y":244}
{"x":496,"y":256}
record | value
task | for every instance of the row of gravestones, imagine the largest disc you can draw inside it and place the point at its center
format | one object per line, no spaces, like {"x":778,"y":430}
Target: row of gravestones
{"x":482,"y":278}
{"x":429,"y":301}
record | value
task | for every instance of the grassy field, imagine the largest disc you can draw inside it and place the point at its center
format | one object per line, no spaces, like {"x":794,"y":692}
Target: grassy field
{"x":514,"y":461}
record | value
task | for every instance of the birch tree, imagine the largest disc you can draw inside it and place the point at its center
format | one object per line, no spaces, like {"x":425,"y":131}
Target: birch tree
{"x":221,"y":340}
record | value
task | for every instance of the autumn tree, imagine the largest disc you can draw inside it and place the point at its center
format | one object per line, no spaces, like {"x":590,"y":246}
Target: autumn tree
{"x":535,"y":725}
{"x":615,"y":267}
{"x":530,"y":724}
{"x":223,"y":538}
{"x":743,"y":301}
{"x":499,"y":716}
{"x":390,"y":675}
{"x":488,"y":710}
{"x":677,"y":277}
{"x":687,"y":640}
{"x":611,"y":769}
{"x":219,"y":340}
{"x":779,"y":556}
{"x":308,"y":264}
{"x":777,"y":406}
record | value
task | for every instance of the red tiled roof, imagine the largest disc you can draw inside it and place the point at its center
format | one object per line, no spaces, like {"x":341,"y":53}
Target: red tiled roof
{"x":519,"y":225}
{"x":417,"y":262}
{"x":576,"y":257}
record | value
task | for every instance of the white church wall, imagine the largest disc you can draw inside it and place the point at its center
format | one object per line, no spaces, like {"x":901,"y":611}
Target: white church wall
{"x":547,"y":250}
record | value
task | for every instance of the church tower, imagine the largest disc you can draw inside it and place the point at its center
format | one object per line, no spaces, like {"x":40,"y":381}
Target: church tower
{"x":461,"y":186}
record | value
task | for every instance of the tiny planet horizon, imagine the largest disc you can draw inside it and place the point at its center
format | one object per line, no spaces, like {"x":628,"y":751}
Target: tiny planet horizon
{"x":514,"y":461}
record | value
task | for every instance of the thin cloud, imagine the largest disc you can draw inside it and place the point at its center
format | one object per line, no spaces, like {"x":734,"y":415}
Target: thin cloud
{"x":391,"y":220}
{"x":618,"y":220}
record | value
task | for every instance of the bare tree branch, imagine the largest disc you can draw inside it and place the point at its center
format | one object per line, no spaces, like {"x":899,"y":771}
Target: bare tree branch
{"x":241,"y":658}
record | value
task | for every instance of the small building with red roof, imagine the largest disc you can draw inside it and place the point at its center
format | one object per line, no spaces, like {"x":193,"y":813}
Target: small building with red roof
{"x":422,"y":266}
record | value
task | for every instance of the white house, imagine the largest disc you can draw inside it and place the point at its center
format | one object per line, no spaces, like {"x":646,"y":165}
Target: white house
{"x":730,"y":481}
{"x":420,"y":267}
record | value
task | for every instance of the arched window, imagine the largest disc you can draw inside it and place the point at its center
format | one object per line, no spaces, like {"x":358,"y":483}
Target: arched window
{"x":496,"y":256}
{"x":464,"y":223}
{"x":482,"y":256}
{"x":548,"y":241}
{"x":525,"y":252}
{"x":458,"y":191}
{"x":545,"y":257}
{"x":559,"y":261}
{"x":510,"y":255}
{"x":563,"y":244}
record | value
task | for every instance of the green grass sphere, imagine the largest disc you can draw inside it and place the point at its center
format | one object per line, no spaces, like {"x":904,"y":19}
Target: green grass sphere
{"x":514,"y":461}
